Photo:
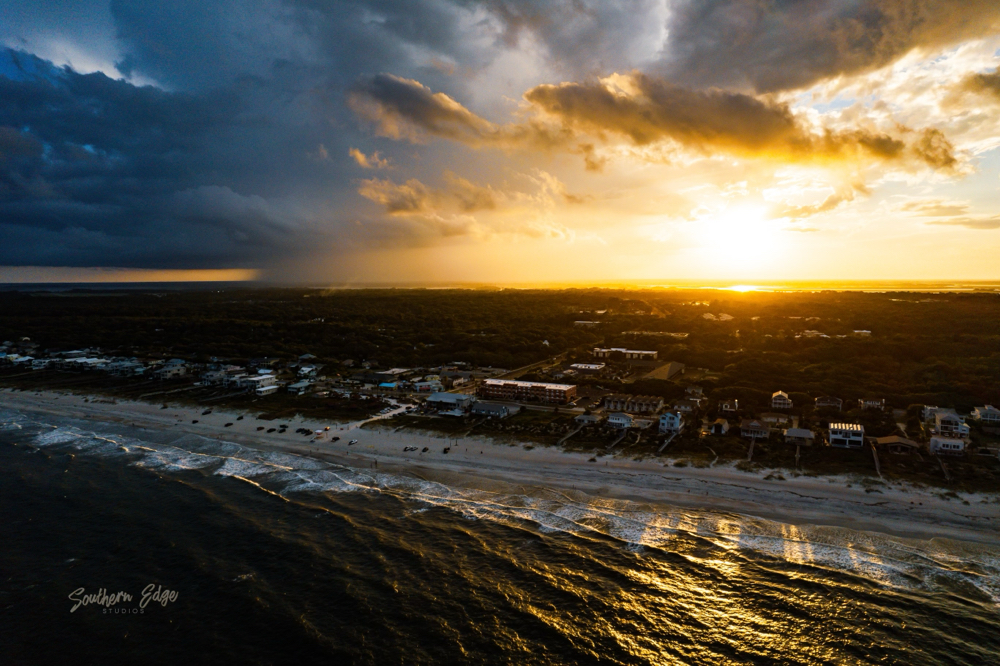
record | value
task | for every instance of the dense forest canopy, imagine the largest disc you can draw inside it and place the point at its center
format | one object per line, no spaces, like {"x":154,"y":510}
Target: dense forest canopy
{"x":938,"y":348}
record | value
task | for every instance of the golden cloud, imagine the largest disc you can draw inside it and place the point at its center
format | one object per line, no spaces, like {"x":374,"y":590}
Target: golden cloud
{"x":641,"y":110}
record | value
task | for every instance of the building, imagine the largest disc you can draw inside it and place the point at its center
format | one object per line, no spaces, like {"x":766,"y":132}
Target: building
{"x":298,"y":388}
{"x":509,"y":389}
{"x":266,"y":390}
{"x":620,"y":420}
{"x":686,"y":406}
{"x":671,"y":422}
{"x":589,"y":419}
{"x":719,"y":427}
{"x":897,"y":445}
{"x":492,"y":410}
{"x":987,"y":415}
{"x":257,"y":382}
{"x":636,"y":404}
{"x":949,"y":424}
{"x":799,"y":436}
{"x":586,"y":324}
{"x":829,"y":402}
{"x":627,"y":354}
{"x":588,"y":368}
{"x":754,"y":429}
{"x":450,"y":401}
{"x":773,"y":418}
{"x":428,"y":387}
{"x":872,"y":403}
{"x":780,"y":400}
{"x":175,"y":367}
{"x":729,"y":407}
{"x":847,"y":435}
{"x":950,"y":446}
{"x":694,"y":392}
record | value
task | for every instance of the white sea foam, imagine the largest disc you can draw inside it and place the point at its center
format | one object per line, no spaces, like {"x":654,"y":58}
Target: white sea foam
{"x":887,"y":561}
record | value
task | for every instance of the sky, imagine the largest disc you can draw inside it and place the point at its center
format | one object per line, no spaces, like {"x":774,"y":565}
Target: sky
{"x":500,"y":141}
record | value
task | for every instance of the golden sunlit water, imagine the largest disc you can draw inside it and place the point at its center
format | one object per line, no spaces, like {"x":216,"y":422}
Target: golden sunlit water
{"x":279,"y":558}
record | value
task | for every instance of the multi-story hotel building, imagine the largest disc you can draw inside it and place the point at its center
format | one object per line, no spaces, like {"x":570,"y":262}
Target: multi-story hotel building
{"x":509,"y":389}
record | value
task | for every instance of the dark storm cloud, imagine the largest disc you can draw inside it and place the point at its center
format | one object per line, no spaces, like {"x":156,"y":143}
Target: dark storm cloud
{"x":771,"y":45}
{"x":243,"y":150}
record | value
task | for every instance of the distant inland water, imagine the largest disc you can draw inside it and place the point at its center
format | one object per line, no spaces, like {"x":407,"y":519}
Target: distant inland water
{"x":124,"y":546}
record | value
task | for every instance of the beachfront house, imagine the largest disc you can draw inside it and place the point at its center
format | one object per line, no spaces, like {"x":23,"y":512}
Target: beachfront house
{"x":948,"y":423}
{"x":754,"y":429}
{"x":799,"y":436}
{"x":589,"y":419}
{"x":987,"y":415}
{"x":671,"y":422}
{"x":780,"y":400}
{"x":897,"y":445}
{"x":846,"y":435}
{"x":950,"y":446}
{"x":620,"y":420}
{"x":829,"y":402}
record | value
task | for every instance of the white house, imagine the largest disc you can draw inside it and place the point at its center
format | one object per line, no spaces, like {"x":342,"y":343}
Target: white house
{"x":780,"y":400}
{"x":671,"y":422}
{"x":266,"y":390}
{"x":257,"y":382}
{"x":620,"y":420}
{"x":947,"y":445}
{"x":987,"y":415}
{"x":847,"y":435}
{"x":949,"y":424}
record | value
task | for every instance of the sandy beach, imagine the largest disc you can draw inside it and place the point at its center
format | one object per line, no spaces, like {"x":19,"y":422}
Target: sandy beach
{"x":898,"y":508}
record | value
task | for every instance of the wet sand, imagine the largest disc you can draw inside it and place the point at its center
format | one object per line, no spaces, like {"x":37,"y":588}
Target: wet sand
{"x":899,"y":508}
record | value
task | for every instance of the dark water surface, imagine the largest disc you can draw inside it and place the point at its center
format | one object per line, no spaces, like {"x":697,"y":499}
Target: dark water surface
{"x":278,"y":559}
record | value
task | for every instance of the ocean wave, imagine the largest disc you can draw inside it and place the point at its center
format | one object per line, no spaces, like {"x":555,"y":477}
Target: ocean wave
{"x":879,"y":558}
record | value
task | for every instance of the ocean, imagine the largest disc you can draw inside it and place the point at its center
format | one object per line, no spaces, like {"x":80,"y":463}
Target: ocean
{"x":232,"y":555}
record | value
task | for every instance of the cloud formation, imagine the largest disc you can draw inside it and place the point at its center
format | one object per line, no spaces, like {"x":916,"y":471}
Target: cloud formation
{"x":769,"y":45}
{"x":986,"y":83}
{"x":641,"y":110}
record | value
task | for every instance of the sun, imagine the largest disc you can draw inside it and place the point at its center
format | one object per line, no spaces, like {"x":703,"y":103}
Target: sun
{"x":740,"y":239}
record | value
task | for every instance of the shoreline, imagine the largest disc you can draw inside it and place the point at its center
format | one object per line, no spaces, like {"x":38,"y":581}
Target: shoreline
{"x":899,"y":509}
